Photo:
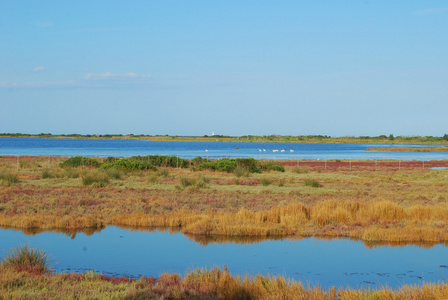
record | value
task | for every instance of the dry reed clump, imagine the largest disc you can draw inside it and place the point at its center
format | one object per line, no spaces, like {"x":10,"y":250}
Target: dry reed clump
{"x":28,"y":259}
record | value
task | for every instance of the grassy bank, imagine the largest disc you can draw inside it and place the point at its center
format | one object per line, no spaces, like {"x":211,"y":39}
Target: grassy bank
{"x":373,"y":201}
{"x":25,"y":274}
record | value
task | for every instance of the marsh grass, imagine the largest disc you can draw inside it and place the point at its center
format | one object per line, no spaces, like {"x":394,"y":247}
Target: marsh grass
{"x":265,"y":181}
{"x":312,"y":183}
{"x":95,"y":179}
{"x":241,"y":171}
{"x":298,"y":170}
{"x":8,"y":178}
{"x":163,"y":173}
{"x":29,"y":259}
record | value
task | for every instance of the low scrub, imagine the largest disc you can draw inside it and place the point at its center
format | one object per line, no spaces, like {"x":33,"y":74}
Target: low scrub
{"x":129,"y":164}
{"x":250,"y":165}
{"x":26,"y":258}
{"x":80,"y":161}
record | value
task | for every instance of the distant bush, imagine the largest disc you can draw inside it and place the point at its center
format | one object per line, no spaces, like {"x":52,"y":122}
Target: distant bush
{"x":163,"y":161}
{"x":230,"y":165}
{"x":312,"y":183}
{"x":26,"y":258}
{"x":79,"y":161}
{"x":271,"y":166}
{"x":129,"y":164}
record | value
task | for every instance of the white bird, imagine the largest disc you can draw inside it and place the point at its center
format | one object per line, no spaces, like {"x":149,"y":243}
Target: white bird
{"x":259,"y":150}
{"x":206,"y":150}
{"x":283,"y":150}
{"x":264,"y":150}
{"x":275,"y":150}
{"x":291,"y":150}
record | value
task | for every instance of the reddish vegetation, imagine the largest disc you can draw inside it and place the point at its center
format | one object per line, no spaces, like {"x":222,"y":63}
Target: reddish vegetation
{"x":371,"y":165}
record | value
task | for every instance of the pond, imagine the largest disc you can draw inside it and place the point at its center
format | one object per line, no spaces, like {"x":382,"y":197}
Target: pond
{"x":336,"y":262}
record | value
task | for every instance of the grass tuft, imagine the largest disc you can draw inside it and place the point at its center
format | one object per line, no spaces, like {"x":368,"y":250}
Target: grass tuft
{"x":28,"y":259}
{"x":312,"y":183}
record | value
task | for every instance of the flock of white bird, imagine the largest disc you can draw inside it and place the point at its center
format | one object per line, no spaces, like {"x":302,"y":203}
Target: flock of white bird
{"x":264,"y":150}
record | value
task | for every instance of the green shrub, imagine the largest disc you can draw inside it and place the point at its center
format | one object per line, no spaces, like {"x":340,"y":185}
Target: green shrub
{"x":26,"y":258}
{"x":312,"y":183}
{"x":162,"y":161}
{"x":274,"y":167}
{"x":129,"y":164}
{"x":96,"y":179}
{"x":80,"y":161}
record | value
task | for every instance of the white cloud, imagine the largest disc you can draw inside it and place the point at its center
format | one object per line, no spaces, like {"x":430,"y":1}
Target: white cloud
{"x":39,"y":69}
{"x":111,"y":76}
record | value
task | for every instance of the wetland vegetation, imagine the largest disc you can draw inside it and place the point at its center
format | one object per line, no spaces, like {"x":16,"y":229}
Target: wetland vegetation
{"x":385,"y":201}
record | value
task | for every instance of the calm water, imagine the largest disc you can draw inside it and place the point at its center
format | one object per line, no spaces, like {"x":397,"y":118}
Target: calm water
{"x":126,"y":148}
{"x":116,"y":251}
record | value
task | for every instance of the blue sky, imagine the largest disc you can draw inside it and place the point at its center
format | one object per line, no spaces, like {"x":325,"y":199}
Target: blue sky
{"x":230,"y":67}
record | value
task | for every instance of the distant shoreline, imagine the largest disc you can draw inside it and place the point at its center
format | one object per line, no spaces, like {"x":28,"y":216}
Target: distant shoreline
{"x":419,"y":140}
{"x":407,"y":149}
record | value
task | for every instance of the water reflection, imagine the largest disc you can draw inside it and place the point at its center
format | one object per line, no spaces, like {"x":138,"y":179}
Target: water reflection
{"x":205,"y":240}
{"x":152,"y":251}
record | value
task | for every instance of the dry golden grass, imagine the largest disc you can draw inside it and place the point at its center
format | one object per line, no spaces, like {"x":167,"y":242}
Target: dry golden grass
{"x":385,"y":205}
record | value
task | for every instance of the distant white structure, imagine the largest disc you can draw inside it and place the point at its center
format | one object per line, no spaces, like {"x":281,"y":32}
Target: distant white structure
{"x":213,"y":133}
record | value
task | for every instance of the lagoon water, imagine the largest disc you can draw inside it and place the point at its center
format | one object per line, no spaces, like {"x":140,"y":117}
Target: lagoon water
{"x":117,"y":252}
{"x":126,"y":148}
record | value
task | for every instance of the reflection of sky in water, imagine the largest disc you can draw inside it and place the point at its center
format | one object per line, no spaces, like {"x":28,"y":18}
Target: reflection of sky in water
{"x":126,"y":148}
{"x":325,"y":262}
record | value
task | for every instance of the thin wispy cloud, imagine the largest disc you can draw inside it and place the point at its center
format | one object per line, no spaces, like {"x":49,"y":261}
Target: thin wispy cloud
{"x":44,"y":24}
{"x":111,"y":76}
{"x":431,"y":11}
{"x":90,"y":80}
{"x":38,"y":69}
{"x":38,"y":84}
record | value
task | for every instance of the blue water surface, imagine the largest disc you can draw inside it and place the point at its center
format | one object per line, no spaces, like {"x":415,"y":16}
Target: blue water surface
{"x":342,"y":263}
{"x":126,"y":148}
